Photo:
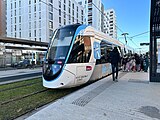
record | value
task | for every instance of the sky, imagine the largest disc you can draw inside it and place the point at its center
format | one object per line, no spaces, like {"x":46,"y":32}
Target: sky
{"x":133,"y":17}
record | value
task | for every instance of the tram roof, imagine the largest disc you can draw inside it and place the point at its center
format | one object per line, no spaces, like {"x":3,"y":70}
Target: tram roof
{"x":22,"y":41}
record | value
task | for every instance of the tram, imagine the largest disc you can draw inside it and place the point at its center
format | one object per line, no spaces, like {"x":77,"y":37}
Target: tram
{"x":77,"y":54}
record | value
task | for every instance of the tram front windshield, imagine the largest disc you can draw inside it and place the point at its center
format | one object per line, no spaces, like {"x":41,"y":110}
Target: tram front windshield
{"x":59,"y":46}
{"x":57,"y":52}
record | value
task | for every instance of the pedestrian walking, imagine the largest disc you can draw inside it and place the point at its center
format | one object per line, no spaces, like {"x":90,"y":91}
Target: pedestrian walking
{"x":115,"y":59}
{"x":124,"y":62}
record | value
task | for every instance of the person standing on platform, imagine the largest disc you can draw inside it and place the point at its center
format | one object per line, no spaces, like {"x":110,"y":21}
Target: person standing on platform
{"x":146,"y":61}
{"x":115,"y":59}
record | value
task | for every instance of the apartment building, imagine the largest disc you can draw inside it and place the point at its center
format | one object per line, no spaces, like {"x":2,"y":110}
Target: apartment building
{"x":2,"y":18}
{"x":37,"y":19}
{"x":110,"y":23}
{"x":92,"y":16}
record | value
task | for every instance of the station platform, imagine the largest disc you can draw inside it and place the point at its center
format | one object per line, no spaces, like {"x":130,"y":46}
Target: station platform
{"x":133,"y":97}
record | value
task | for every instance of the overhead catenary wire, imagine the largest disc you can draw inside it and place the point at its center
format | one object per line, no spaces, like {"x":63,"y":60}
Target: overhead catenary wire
{"x":113,"y":23}
{"x":140,"y":34}
{"x":57,"y":9}
{"x":106,"y":16}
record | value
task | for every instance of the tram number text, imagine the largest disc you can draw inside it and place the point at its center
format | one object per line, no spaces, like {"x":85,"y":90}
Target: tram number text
{"x":79,"y":78}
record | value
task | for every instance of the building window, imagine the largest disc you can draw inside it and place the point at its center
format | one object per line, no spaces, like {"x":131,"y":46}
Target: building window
{"x":51,"y":1}
{"x":15,"y":20}
{"x":35,"y":24}
{"x":30,"y":33}
{"x":39,"y":32}
{"x":11,"y":28}
{"x":39,"y":24}
{"x":11,"y":6}
{"x":50,"y":32}
{"x":19,"y":3}
{"x":34,"y":8}
{"x":77,"y":14}
{"x":19,"y":11}
{"x":20,"y":19}
{"x":64,"y":15}
{"x":73,"y":5}
{"x":50,"y":7}
{"x":39,"y":15}
{"x":11,"y":13}
{"x":29,"y":2}
{"x":59,"y":12}
{"x":15,"y":28}
{"x":73,"y":19}
{"x":64,"y":21}
{"x":59,"y":4}
{"x":11,"y":21}
{"x":69,"y":10}
{"x":14,"y":12}
{"x":50,"y":16}
{"x":29,"y":17}
{"x":29,"y":9}
{"x":59,"y":19}
{"x":35,"y":16}
{"x":39,"y":6}
{"x":34,"y":33}
{"x":20,"y":27}
{"x":15,"y":5}
{"x":20,"y":34}
{"x":50,"y":25}
{"x":69,"y":3}
{"x":34,"y":1}
{"x":73,"y":12}
{"x":29,"y":25}
{"x":64,"y":7}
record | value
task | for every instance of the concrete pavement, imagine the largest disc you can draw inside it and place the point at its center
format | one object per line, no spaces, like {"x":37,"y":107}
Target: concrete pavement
{"x":132,"y":98}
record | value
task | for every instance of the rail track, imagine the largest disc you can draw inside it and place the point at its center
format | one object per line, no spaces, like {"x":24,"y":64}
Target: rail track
{"x":22,"y":97}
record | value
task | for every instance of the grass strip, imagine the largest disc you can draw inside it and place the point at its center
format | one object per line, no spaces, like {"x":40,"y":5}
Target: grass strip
{"x":19,"y":92}
{"x":17,"y":108}
{"x":19,"y":83}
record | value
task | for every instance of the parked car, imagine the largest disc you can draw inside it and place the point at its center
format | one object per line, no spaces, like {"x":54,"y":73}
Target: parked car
{"x":22,"y":64}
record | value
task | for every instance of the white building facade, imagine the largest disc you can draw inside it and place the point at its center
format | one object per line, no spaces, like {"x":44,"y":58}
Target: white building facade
{"x":37,"y":19}
{"x":110,"y":23}
{"x":92,"y":16}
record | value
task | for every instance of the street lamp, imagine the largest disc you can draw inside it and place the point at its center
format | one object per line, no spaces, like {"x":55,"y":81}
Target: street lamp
{"x":124,"y":34}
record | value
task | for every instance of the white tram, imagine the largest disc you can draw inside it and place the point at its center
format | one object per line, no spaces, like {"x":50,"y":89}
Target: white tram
{"x":77,"y":54}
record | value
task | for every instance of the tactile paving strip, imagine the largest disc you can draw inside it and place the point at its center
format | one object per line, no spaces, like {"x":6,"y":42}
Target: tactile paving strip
{"x":82,"y":101}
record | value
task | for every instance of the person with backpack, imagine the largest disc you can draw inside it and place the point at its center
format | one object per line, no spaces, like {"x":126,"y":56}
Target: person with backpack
{"x":115,"y":59}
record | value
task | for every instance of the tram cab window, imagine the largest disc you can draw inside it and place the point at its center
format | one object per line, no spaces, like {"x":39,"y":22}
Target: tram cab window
{"x":81,"y":50}
{"x":106,"y":48}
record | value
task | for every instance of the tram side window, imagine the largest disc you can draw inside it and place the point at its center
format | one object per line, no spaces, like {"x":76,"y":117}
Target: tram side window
{"x":81,"y":50}
{"x":105,"y":51}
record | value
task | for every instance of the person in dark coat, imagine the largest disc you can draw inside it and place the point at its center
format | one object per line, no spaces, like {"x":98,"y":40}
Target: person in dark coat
{"x":115,"y":59}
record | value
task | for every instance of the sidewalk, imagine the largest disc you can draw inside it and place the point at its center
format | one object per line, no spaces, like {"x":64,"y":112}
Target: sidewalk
{"x":132,"y":98}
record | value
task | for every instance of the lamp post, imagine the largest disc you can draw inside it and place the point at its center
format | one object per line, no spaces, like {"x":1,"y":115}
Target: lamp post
{"x":124,"y":34}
